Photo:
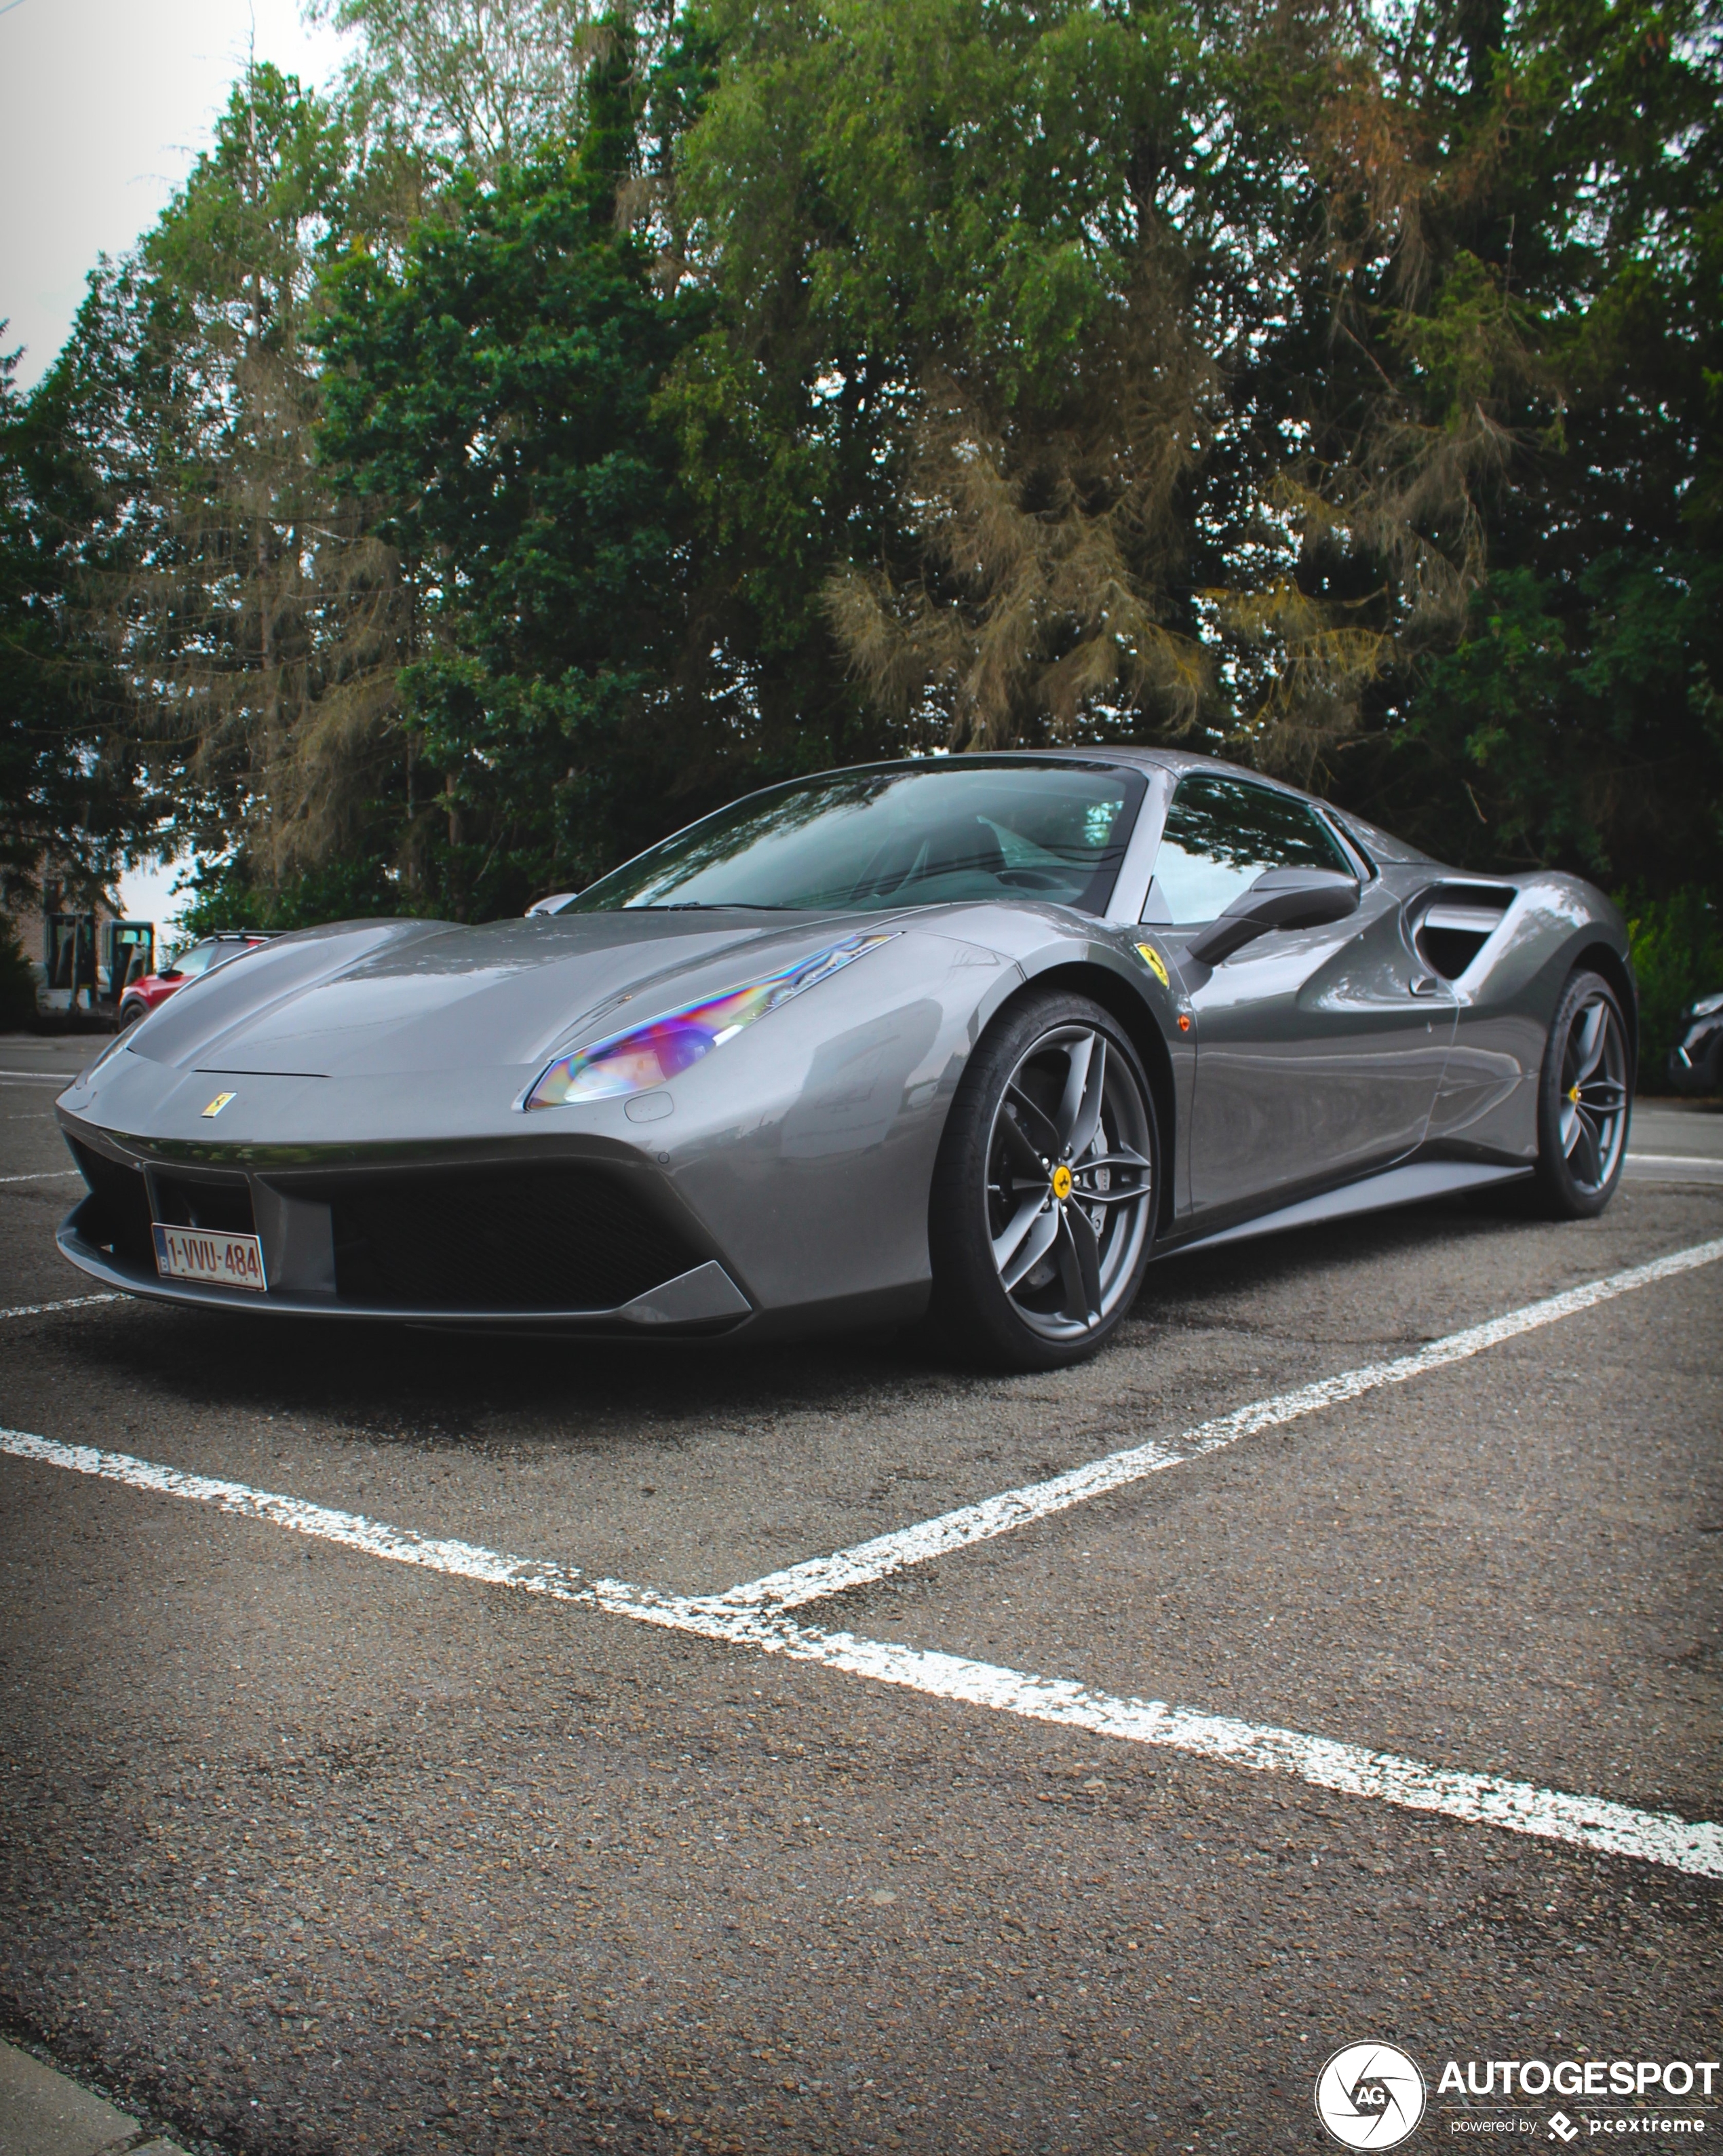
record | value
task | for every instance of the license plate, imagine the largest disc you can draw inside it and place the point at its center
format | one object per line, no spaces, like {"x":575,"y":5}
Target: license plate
{"x":218,"y":1261}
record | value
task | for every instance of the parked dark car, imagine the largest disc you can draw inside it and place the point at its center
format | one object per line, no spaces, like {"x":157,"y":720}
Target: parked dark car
{"x":1696,"y":1064}
{"x":149,"y":993}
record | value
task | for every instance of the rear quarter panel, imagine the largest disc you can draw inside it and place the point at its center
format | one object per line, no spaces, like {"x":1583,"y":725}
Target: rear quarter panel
{"x":1487,"y":1105}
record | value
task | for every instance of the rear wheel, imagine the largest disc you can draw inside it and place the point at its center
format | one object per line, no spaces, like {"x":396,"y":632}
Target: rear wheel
{"x":1584,"y":1095}
{"x":130,"y":1013}
{"x":1044,"y":1193}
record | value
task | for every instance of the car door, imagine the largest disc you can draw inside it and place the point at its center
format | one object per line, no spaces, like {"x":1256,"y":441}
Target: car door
{"x":1319,"y":1050}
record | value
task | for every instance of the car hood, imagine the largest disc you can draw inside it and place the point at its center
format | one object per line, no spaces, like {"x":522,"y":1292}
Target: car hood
{"x":369,"y":999}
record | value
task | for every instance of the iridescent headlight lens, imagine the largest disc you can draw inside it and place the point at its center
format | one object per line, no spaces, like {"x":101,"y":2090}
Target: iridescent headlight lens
{"x":651,"y":1054}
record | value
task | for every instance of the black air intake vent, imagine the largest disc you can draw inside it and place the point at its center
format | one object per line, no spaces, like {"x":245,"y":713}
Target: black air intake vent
{"x":221,"y":1204}
{"x":557,"y":1236}
{"x":118,"y":1218}
{"x":1455,"y":923}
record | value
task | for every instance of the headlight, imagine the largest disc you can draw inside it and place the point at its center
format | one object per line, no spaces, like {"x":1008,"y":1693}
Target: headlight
{"x":652,"y":1053}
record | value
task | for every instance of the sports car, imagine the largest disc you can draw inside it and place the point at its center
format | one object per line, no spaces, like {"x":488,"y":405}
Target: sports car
{"x":969,"y":1038}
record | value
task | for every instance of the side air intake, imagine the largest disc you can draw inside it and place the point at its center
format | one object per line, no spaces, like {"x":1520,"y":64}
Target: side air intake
{"x":1455,"y":923}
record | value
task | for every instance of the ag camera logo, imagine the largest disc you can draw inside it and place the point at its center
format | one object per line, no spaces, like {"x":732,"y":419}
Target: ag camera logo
{"x":1370,"y":2095}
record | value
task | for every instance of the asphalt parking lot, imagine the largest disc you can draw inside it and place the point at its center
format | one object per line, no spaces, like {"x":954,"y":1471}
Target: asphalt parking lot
{"x":305,"y":1848}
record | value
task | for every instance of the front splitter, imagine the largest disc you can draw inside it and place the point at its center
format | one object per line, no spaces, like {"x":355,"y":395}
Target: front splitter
{"x":701,"y":1301}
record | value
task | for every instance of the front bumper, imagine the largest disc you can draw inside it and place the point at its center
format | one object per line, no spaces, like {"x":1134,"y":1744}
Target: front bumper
{"x":701,"y":1301}
{"x":542,"y":1242}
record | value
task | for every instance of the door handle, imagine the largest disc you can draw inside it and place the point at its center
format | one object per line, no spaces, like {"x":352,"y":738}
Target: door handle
{"x":1426,"y":984}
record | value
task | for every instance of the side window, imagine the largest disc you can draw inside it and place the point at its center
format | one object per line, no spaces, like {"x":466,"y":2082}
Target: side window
{"x":1221,"y":833}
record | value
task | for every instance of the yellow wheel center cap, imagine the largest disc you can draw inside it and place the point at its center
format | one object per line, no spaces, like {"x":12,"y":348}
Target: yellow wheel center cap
{"x":1574,"y":1094}
{"x":1061,"y":1183}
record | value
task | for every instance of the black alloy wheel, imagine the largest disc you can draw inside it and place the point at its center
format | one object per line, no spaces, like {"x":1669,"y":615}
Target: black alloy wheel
{"x":1585,"y":1095}
{"x":1044,"y":1193}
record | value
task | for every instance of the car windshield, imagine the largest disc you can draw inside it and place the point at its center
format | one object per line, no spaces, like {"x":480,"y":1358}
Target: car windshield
{"x":891,"y":836}
{"x":197,"y":960}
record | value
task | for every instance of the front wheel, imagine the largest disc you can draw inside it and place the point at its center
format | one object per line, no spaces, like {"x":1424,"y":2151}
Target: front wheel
{"x":1584,"y":1095}
{"x":1044,"y":1192}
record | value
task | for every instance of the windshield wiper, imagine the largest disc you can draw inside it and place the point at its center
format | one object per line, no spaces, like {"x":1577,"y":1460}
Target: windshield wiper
{"x":725,"y":905}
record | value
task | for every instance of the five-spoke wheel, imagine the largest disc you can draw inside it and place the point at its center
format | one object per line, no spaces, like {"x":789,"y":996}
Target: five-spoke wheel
{"x":1584,"y":1099}
{"x":1044,"y":1197}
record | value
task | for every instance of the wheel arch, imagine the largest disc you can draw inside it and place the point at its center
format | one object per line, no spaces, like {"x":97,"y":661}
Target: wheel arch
{"x":1120,"y":1001}
{"x":1605,"y":959}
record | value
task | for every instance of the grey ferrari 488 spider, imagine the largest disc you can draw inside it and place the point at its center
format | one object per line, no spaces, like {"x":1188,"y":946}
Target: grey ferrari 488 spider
{"x":976,"y":1036}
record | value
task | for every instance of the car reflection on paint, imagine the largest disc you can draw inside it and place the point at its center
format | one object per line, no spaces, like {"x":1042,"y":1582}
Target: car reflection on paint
{"x":150,"y":991}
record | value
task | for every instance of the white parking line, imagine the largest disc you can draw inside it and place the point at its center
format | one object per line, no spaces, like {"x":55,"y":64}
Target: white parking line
{"x":400,"y":1545}
{"x":1674,"y":1168}
{"x":1594,"y":1823}
{"x":71,"y":1303}
{"x":869,"y":1561}
{"x":748,"y":1618}
{"x":42,"y":1175}
{"x":60,"y":1078}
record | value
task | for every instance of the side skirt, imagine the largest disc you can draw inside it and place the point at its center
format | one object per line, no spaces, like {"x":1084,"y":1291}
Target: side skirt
{"x":1394,"y":1186}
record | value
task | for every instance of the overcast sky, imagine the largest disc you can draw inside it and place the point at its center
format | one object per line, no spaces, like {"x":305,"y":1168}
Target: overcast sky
{"x":104,"y":103}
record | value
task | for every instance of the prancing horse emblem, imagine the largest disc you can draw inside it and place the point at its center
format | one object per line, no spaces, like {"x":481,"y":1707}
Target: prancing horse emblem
{"x":218,"y":1104}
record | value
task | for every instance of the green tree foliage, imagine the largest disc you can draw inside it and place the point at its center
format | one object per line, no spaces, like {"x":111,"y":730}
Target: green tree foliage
{"x":1026,"y":348}
{"x":225,"y":894}
{"x":1677,"y":943}
{"x":271,"y":609}
{"x":1550,"y":175}
{"x":478,"y":84}
{"x":255,"y":623}
{"x":500,"y":388}
{"x":589,"y":416}
{"x":71,"y":804}
{"x":1203,"y":371}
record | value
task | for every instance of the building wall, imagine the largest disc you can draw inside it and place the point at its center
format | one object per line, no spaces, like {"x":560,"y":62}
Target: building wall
{"x":32,"y":923}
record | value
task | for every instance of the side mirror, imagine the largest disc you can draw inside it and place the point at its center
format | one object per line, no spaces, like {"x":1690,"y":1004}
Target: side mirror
{"x":1279,"y":898}
{"x":172,"y":973}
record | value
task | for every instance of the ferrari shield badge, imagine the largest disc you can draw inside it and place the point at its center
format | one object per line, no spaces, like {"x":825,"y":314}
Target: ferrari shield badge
{"x":218,"y":1104}
{"x":1154,"y":962}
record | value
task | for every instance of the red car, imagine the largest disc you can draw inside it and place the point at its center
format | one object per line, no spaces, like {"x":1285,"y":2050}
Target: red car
{"x":143,"y":996}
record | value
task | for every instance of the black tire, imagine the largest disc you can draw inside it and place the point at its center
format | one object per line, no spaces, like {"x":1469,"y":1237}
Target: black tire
{"x":1584,"y":1099}
{"x":130,"y":1013}
{"x":1042,"y":1144}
